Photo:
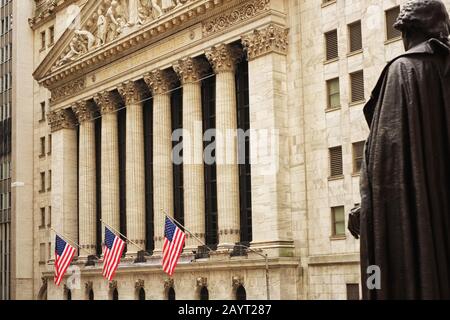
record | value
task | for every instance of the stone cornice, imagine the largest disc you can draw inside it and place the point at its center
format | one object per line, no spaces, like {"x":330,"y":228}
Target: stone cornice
{"x":61,"y":119}
{"x":272,"y":38}
{"x":224,"y":57}
{"x":191,"y":70}
{"x":225,"y":20}
{"x":160,"y":81}
{"x":147,"y":34}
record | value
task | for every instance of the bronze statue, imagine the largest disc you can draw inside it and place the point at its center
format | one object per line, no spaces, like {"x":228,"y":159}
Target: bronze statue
{"x":405,"y":179}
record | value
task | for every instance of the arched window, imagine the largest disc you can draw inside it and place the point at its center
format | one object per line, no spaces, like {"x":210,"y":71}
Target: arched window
{"x":141,"y":295}
{"x":91,"y":294}
{"x":204,"y":294}
{"x":171,"y":294}
{"x":241,"y":294}
{"x":115,"y":295}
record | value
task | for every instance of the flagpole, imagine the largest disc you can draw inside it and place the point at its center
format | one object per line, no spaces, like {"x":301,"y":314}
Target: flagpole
{"x":136,"y":245}
{"x":193,"y":235}
{"x":66,"y":238}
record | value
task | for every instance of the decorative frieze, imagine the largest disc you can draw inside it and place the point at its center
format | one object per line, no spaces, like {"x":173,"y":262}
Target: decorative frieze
{"x":272,"y":38}
{"x":106,"y":101}
{"x":160,"y":81}
{"x":225,"y":20}
{"x":68,"y":89}
{"x":61,"y":119}
{"x":224,"y":57}
{"x":191,"y":70}
{"x":131,"y":92}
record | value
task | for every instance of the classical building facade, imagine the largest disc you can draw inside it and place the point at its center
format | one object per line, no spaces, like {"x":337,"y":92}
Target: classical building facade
{"x":115,"y":79}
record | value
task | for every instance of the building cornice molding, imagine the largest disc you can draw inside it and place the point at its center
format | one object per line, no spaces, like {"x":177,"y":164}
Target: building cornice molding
{"x":47,"y":12}
{"x":51,"y":75}
{"x":61,"y":119}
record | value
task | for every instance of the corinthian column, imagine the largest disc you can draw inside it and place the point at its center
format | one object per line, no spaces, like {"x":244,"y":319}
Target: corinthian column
{"x":271,"y":207}
{"x":224,"y":58}
{"x":160,"y":83}
{"x":108,"y":105}
{"x":190,"y":72}
{"x":64,"y":173}
{"x":135,"y":164}
{"x":87,"y":202}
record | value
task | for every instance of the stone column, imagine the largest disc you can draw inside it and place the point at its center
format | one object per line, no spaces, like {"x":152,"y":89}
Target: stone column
{"x":87,"y":201}
{"x":271,"y":208}
{"x":160,"y":83}
{"x":190,"y":72}
{"x":108,"y":105}
{"x":64,"y":173}
{"x":224,"y":58}
{"x":133,"y":95}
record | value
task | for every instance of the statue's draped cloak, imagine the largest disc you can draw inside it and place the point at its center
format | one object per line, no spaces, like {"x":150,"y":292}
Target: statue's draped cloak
{"x":405,"y":178}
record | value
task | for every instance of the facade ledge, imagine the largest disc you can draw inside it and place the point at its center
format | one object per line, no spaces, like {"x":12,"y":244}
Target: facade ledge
{"x":345,"y":258}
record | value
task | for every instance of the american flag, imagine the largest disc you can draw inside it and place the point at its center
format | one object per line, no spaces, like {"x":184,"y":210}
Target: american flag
{"x":112,"y":253}
{"x":173,"y":246}
{"x":64,"y":253}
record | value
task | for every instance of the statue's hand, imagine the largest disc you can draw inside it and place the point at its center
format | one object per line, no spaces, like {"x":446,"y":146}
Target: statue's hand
{"x":354,"y":222}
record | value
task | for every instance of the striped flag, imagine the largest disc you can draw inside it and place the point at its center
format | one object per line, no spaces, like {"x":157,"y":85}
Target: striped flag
{"x":64,"y":253}
{"x":112,"y":253}
{"x":173,"y":246}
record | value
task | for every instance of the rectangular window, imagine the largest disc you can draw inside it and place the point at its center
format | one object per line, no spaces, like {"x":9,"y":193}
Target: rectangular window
{"x":336,"y":166}
{"x":49,"y":217}
{"x":43,"y":42}
{"x":42,"y":154}
{"x":355,"y":36}
{"x":357,"y":86}
{"x":42,"y":182}
{"x":358,"y":154}
{"x":338,"y":220}
{"x":51,"y":31}
{"x":42,"y":111}
{"x":42,"y":225}
{"x":331,"y":44}
{"x":49,"y":144}
{"x":353,"y":291}
{"x":49,"y":180}
{"x":42,"y":253}
{"x":333,"y":92}
{"x":391,"y":18}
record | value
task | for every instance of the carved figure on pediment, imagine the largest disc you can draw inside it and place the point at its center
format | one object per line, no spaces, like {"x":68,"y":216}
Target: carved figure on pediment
{"x":86,"y":38}
{"x":101,"y":28}
{"x":133,"y":12}
{"x":76,"y":49}
{"x":112,"y":25}
{"x":168,"y":5}
{"x":148,"y":10}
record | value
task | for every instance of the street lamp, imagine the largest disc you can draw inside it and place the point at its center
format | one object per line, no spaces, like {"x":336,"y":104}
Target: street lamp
{"x":266,"y":257}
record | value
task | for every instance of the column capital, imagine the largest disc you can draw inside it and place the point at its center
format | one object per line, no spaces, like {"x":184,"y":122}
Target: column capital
{"x":106,"y":101}
{"x":131,"y":92}
{"x":160,"y":81}
{"x":83,"y":111}
{"x":61,"y":119}
{"x":272,"y":38}
{"x":190,"y":70}
{"x":224,"y":57}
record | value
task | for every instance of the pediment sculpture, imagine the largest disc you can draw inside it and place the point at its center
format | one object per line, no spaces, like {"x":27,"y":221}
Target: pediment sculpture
{"x":113,"y":19}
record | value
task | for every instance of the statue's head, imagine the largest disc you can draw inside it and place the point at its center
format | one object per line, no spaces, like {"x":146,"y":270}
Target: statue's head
{"x":423,"y":19}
